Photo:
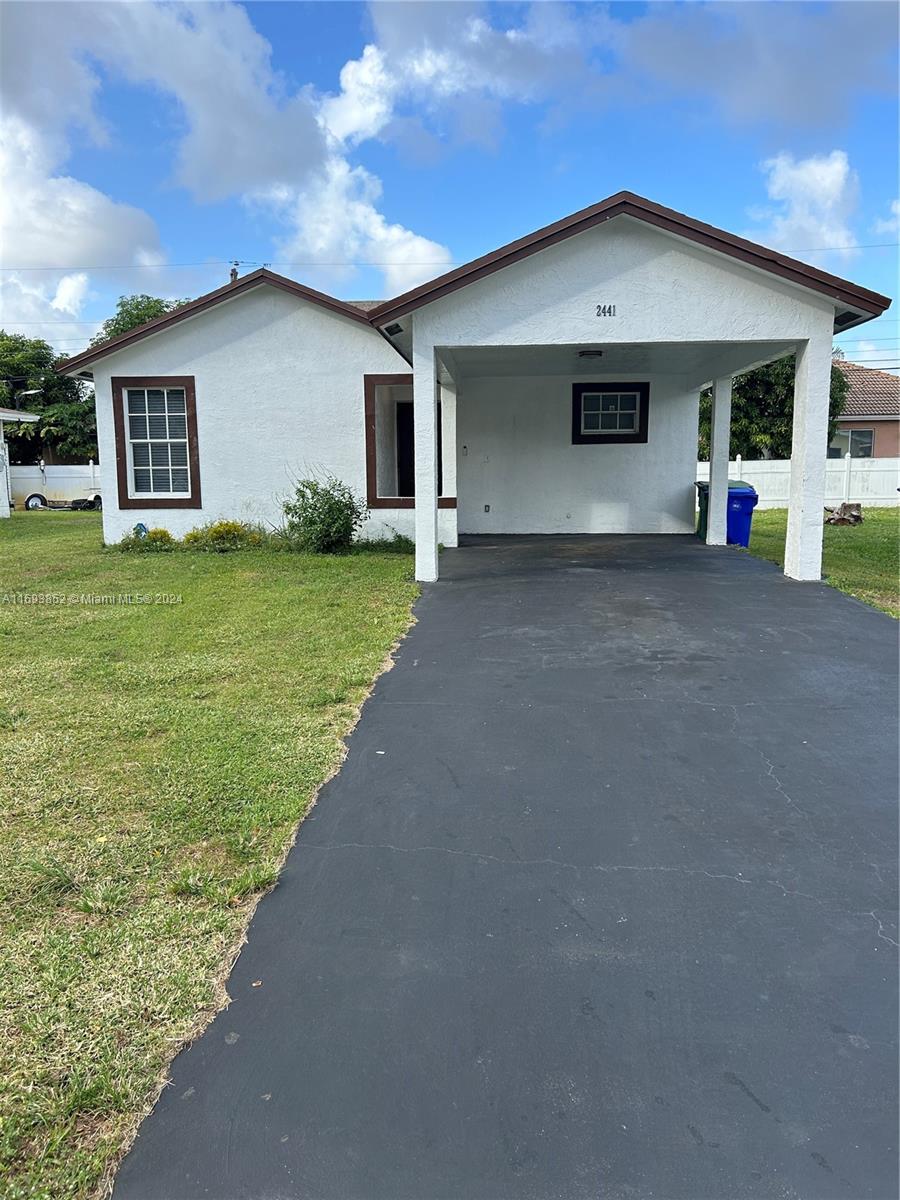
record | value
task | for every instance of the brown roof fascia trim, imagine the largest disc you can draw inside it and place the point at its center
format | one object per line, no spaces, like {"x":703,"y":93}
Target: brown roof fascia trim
{"x":227,"y":292}
{"x":629,"y":204}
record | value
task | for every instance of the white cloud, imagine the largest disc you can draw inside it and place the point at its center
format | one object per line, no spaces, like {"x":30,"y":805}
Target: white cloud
{"x":787,"y":64}
{"x":815,"y":199}
{"x":244,"y":133}
{"x":889,"y":224}
{"x":50,"y":219}
{"x":335,"y":219}
{"x":39,"y":310}
{"x":363,"y":106}
{"x":433,"y":74}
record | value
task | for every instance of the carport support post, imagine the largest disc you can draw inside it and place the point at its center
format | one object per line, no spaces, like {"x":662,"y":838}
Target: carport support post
{"x":426,"y":462}
{"x":809,"y":444}
{"x":719,"y":444}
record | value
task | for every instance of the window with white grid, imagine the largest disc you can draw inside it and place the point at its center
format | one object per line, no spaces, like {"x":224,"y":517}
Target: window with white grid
{"x":609,"y":412}
{"x":156,"y":428}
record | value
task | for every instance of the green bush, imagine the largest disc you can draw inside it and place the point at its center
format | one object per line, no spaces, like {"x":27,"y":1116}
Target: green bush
{"x":220,"y":537}
{"x":148,"y":541}
{"x":323,"y":516}
{"x":398,"y":544}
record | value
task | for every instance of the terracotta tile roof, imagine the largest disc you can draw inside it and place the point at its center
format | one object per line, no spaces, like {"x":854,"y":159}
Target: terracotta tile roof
{"x":872,"y":393}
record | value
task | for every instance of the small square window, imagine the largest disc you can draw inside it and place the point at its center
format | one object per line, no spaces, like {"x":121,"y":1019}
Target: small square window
{"x":611,"y":413}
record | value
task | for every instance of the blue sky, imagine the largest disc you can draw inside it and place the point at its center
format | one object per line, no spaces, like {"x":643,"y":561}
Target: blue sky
{"x":316,"y":136}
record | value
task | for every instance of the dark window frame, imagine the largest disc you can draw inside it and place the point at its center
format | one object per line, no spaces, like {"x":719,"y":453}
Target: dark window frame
{"x":605,"y":438}
{"x":373,"y":500}
{"x":119,"y":385}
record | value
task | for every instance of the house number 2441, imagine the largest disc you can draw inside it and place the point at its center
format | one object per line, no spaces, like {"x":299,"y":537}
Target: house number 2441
{"x":606,"y":310}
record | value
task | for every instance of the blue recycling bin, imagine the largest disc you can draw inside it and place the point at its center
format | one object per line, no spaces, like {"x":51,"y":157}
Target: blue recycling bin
{"x":742,"y":499}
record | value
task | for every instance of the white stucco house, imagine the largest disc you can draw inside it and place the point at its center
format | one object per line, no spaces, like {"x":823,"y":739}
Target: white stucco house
{"x":548,"y":387}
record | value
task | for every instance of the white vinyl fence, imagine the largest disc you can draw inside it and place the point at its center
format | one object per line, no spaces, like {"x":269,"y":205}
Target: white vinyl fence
{"x":871,"y":481}
{"x":53,"y":483}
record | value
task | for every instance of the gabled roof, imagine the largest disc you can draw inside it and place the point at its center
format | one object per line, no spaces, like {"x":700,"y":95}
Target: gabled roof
{"x":863,"y":303}
{"x":872,"y":393}
{"x":630,"y":205}
{"x":228,"y":292}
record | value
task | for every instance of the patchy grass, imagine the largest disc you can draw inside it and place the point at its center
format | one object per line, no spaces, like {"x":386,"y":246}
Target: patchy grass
{"x":156,"y":759}
{"x":863,"y":560}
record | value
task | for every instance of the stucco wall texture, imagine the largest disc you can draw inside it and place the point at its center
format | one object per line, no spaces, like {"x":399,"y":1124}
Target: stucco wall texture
{"x":515,"y":454}
{"x":279,"y":386}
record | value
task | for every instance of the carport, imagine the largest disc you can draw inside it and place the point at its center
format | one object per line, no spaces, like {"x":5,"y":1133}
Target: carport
{"x":620,"y":314}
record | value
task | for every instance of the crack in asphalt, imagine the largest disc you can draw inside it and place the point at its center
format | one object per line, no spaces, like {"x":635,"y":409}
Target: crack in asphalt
{"x":605,"y":868}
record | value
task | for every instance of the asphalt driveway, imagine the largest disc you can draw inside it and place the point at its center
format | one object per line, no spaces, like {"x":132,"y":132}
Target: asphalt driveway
{"x":602,"y":904}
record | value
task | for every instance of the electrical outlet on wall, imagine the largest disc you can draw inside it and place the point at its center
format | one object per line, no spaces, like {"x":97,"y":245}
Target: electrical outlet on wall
{"x":487,"y":508}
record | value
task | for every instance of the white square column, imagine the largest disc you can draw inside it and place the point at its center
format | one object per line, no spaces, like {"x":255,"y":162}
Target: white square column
{"x":719,"y":445}
{"x":809,"y":450}
{"x":425,"y":393}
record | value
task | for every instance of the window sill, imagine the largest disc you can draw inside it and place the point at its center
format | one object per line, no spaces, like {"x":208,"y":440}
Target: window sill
{"x":407,"y":502}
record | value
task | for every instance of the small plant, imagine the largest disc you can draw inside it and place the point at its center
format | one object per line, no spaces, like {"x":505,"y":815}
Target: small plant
{"x":147,"y":541}
{"x":221,"y":537}
{"x":323,"y":516}
{"x":398,"y":544}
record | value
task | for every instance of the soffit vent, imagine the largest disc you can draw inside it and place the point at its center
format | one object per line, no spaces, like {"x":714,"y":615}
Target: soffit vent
{"x":393,"y":330}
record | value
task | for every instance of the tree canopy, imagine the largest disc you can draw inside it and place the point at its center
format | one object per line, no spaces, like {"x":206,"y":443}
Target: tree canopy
{"x":762,"y":411}
{"x":67,"y":422}
{"x":132,"y":311}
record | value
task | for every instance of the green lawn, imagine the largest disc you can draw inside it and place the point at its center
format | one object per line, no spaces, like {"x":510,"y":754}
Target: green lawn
{"x":156,"y":758}
{"x":863,"y":560}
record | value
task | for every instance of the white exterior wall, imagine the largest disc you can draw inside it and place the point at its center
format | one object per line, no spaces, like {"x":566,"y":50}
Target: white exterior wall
{"x":279,"y":387}
{"x":665,"y":290}
{"x":515,"y":453}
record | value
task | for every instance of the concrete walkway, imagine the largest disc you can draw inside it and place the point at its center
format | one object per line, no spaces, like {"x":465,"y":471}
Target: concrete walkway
{"x":602,"y":904}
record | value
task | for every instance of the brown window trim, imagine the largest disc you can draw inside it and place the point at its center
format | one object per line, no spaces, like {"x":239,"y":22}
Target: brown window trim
{"x":373,"y":500}
{"x":119,"y":383}
{"x":610,"y":439}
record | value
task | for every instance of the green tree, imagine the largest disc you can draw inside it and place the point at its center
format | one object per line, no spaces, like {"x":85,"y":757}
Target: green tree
{"x":762,"y":411}
{"x":132,"y":311}
{"x":68,"y":427}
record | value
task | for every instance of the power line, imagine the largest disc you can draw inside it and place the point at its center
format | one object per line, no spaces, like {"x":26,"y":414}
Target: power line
{"x":227,"y":262}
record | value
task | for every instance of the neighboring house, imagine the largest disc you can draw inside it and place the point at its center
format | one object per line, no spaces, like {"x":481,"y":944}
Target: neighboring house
{"x":869,"y":426}
{"x":11,"y":416}
{"x":556,"y":385}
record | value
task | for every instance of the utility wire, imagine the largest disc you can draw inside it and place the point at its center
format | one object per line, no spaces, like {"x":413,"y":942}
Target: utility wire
{"x":227,"y":262}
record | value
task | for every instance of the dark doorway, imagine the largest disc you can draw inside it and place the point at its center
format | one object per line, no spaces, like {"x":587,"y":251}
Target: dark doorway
{"x":406,"y":476}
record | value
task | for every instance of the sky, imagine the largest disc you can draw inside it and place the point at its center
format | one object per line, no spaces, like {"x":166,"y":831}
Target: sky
{"x":365,"y":148}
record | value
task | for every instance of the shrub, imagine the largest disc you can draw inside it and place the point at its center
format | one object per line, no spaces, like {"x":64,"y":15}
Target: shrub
{"x":323,"y":516}
{"x":220,"y":537}
{"x":147,"y":541}
{"x":398,"y":544}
